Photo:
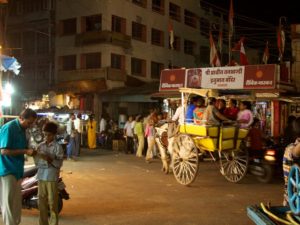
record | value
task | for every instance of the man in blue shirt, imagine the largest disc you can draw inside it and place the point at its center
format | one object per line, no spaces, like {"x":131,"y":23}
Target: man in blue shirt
{"x":13,"y":146}
{"x":189,"y":116}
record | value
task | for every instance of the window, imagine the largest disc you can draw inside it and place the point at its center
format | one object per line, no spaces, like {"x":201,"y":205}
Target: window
{"x":190,"y":19}
{"x":156,"y":68}
{"x":158,"y":6}
{"x":142,"y":3}
{"x":68,"y":62}
{"x":138,"y":67}
{"x":174,"y":12}
{"x":139,"y":32}
{"x":118,"y":61}
{"x":68,"y":26}
{"x":204,"y":27}
{"x":157,"y":37}
{"x":118,"y":24}
{"x":91,"y":60}
{"x":91,"y":23}
{"x":189,"y":47}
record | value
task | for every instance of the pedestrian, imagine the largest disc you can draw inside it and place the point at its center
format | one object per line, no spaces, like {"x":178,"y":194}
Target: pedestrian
{"x":91,"y":132}
{"x":13,"y":146}
{"x":291,"y":156}
{"x":129,"y":135}
{"x":149,"y":134}
{"x":49,"y":159}
{"x":79,"y":130}
{"x":139,"y":132}
{"x":71,"y":132}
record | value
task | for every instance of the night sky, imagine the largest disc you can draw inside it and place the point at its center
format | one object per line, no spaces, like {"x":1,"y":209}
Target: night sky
{"x":265,"y":10}
{"x":257,"y":21}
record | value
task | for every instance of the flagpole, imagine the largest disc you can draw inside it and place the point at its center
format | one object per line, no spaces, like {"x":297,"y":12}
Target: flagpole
{"x":230,"y":30}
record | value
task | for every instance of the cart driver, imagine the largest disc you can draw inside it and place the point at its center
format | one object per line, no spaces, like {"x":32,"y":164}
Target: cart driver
{"x":291,"y":156}
{"x":211,"y":115}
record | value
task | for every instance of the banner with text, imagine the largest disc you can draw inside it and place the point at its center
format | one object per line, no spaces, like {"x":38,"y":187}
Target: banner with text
{"x":260,"y":76}
{"x":172,"y":80}
{"x":231,"y":77}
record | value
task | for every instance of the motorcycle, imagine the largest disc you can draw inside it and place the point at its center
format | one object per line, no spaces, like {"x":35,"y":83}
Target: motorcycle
{"x":29,"y":189}
{"x":264,"y":164}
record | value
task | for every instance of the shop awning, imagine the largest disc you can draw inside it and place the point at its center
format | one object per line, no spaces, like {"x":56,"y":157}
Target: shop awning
{"x":131,"y":94}
{"x":81,"y":86}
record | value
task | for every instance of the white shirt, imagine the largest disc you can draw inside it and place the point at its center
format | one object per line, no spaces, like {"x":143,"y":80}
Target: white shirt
{"x":103,"y":124}
{"x":128,"y":129}
{"x":179,"y":115}
{"x":78,"y":125}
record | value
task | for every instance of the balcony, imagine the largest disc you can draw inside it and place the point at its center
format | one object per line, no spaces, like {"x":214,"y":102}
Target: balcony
{"x":103,"y":37}
{"x":106,"y":73}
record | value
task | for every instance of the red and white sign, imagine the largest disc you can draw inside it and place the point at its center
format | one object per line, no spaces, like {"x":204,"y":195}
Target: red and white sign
{"x":260,"y":76}
{"x":231,"y":77}
{"x":171,"y":80}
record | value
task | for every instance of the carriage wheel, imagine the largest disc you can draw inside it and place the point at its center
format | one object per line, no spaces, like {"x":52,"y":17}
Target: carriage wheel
{"x":185,"y":159}
{"x":293,"y":189}
{"x":234,"y":164}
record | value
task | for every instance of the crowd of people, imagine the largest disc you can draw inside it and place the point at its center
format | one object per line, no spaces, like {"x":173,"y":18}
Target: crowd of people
{"x":139,"y":133}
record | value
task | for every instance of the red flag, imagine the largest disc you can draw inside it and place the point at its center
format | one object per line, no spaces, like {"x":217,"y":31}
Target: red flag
{"x":230,"y":19}
{"x":266,"y":54}
{"x":171,"y":34}
{"x":280,"y":42}
{"x":214,"y":58}
{"x":243,"y":57}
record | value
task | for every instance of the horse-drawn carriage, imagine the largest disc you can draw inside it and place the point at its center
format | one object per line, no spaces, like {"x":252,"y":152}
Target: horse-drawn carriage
{"x":191,"y":141}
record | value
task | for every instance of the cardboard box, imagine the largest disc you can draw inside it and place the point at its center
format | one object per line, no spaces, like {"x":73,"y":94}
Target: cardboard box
{"x":118,"y":145}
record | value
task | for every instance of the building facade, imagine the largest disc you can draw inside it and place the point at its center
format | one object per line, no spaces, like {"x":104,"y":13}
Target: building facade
{"x":117,"y":43}
{"x":29,"y":37}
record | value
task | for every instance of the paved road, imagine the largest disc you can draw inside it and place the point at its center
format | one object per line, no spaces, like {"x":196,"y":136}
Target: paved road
{"x":118,"y":189}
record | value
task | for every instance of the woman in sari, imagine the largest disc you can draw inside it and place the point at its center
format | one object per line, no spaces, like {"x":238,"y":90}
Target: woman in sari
{"x":91,"y":132}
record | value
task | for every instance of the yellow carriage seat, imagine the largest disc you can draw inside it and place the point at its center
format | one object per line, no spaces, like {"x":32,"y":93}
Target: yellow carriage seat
{"x":205,"y":136}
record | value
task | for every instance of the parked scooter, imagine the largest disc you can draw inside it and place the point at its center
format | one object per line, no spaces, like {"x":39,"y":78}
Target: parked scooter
{"x":29,"y":188}
{"x":265,"y":164}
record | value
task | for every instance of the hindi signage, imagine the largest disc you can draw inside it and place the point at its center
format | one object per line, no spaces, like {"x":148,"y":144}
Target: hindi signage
{"x":231,"y":77}
{"x":171,"y":80}
{"x":260,"y":76}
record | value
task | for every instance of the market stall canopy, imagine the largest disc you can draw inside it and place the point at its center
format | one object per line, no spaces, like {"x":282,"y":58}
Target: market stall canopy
{"x":9,"y":63}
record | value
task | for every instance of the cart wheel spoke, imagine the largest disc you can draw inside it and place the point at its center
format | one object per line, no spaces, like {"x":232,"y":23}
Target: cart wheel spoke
{"x":234,"y":164}
{"x":185,"y":159}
